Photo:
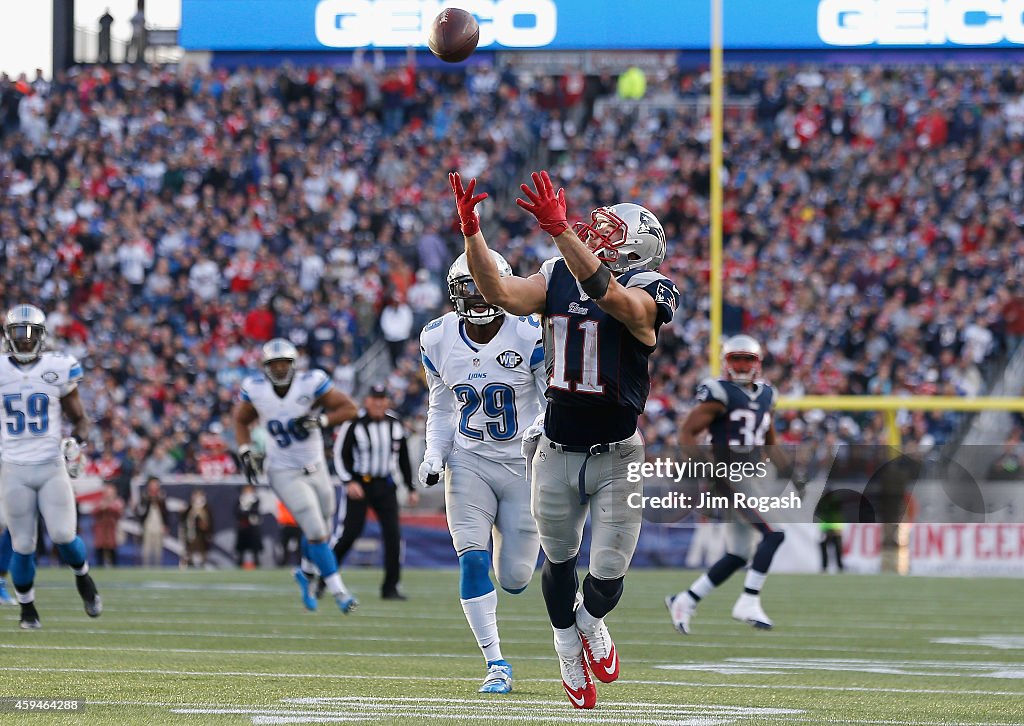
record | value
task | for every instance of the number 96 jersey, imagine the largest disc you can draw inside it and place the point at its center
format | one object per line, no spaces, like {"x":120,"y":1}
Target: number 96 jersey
{"x":482,"y":396}
{"x":30,"y":412}
{"x":289,"y":444}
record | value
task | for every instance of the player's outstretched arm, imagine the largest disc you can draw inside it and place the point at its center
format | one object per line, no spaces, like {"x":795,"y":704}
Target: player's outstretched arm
{"x":517,"y":295}
{"x":632,"y":307}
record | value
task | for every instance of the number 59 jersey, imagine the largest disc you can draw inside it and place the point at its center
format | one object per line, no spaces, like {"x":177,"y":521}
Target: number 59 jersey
{"x":289,"y":444}
{"x":482,"y":397}
{"x":30,"y":412}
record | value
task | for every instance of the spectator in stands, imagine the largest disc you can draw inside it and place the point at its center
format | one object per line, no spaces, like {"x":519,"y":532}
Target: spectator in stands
{"x":106,"y":520}
{"x":396,"y":321}
{"x":197,"y":530}
{"x":151,"y":511}
{"x":248,"y":526}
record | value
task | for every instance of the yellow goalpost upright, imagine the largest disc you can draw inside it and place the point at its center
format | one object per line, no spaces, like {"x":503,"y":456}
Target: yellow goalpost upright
{"x":887,"y":405}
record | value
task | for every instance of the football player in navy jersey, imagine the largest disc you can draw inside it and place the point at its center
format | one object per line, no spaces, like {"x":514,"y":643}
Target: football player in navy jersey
{"x":603,"y":303}
{"x":737,"y":411}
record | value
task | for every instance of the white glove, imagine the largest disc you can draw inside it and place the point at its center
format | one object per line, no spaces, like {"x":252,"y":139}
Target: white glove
{"x":430,"y":471}
{"x":74,"y":458}
{"x":531,"y":436}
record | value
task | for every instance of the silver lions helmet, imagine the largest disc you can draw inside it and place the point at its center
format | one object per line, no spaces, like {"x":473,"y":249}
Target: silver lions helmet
{"x":469,"y":303}
{"x":276,"y":353}
{"x":624,"y":237}
{"x":24,"y":332}
{"x":741,"y":359}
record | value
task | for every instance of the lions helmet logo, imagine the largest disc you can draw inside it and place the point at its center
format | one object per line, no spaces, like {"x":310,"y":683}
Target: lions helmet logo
{"x":509,"y":359}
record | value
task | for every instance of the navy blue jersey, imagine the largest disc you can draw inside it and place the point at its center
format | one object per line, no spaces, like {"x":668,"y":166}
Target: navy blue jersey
{"x":598,"y":377}
{"x":743,"y":425}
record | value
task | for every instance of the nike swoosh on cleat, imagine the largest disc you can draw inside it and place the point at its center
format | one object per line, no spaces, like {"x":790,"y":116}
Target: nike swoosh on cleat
{"x":579,"y":703}
{"x":610,"y":669}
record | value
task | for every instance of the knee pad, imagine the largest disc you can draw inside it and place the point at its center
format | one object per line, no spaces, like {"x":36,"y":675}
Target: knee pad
{"x":515,"y":578}
{"x":608,"y":563}
{"x":474,"y":577}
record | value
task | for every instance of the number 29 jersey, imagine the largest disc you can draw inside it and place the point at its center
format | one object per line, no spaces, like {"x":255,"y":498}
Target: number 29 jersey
{"x":482,"y":396}
{"x":289,"y":444}
{"x":30,"y":412}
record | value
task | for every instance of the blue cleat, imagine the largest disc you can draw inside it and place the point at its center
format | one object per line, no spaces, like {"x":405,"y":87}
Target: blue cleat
{"x":5,"y":597}
{"x":307,"y":599}
{"x":346,"y":603}
{"x":499,"y":678}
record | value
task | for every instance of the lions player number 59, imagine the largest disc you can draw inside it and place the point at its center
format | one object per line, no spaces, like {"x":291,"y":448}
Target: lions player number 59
{"x":37,"y":406}
{"x":498,"y":401}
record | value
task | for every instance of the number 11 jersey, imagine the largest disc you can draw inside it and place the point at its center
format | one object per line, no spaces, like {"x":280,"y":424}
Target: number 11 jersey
{"x":598,"y":377}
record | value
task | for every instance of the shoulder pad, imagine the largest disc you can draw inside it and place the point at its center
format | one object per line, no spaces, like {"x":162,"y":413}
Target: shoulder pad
{"x":711,"y":389}
{"x":434,"y":330}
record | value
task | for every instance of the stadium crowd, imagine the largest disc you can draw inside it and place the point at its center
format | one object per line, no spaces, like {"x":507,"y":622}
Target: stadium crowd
{"x":170,"y":221}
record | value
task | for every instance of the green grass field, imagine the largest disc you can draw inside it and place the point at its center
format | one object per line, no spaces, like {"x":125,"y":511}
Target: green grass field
{"x":237,"y":648}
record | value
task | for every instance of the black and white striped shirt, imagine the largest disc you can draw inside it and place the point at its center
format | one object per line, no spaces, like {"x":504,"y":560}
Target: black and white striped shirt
{"x":368,"y":447}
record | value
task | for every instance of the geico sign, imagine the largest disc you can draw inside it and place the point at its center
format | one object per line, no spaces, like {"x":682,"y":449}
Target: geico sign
{"x":403,"y":23}
{"x":920,"y":22}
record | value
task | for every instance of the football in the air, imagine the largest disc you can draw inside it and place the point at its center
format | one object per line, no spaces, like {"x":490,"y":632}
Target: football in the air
{"x":454,"y":35}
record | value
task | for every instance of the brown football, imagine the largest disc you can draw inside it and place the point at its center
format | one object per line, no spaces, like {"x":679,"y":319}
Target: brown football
{"x":453,"y":35}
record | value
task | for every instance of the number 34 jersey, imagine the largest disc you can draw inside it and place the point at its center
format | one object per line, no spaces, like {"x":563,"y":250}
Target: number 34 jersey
{"x":743,"y":425}
{"x":30,"y":412}
{"x":482,"y":397}
{"x":289,"y":444}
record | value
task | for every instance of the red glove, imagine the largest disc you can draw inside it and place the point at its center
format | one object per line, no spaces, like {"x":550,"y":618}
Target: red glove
{"x":466,"y":203}
{"x":545,"y":205}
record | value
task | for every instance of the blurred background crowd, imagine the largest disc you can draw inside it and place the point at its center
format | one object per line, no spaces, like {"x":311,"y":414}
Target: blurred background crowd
{"x":170,"y":221}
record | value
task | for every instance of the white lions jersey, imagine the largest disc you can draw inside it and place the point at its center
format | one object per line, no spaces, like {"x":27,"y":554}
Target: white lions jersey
{"x":30,"y":412}
{"x":289,"y":444}
{"x":482,"y":397}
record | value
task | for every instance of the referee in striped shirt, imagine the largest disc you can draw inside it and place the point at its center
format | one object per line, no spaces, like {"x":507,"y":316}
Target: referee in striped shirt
{"x":364,"y":455}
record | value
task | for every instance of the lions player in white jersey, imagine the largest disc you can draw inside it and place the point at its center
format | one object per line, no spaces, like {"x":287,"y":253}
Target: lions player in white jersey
{"x":487,"y":379}
{"x":294,"y":407}
{"x":36,"y":387}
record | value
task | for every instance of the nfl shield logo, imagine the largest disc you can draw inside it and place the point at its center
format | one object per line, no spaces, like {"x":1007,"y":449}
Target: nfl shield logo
{"x":476,"y":362}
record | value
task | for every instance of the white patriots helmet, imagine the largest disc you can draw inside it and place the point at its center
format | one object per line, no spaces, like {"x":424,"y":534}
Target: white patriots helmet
{"x":742,"y":347}
{"x":24,"y":332}
{"x":464,"y":293}
{"x":624,"y":237}
{"x":279,"y":349}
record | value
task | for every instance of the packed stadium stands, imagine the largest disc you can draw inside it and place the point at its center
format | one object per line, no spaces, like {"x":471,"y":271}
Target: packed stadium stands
{"x":170,"y":221}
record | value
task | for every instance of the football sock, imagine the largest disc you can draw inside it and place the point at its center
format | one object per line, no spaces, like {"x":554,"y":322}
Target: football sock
{"x":766,"y":551}
{"x":5,"y":552}
{"x":23,"y":571}
{"x":701,"y":587}
{"x":73,"y":553}
{"x":335,"y":585}
{"x":559,"y":584}
{"x":322,"y":556}
{"x":754,"y":582}
{"x":25,"y":596}
{"x":723,"y":569}
{"x":474,"y":580}
{"x":600,"y":596}
{"x":567,"y":640}
{"x":482,"y":615}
